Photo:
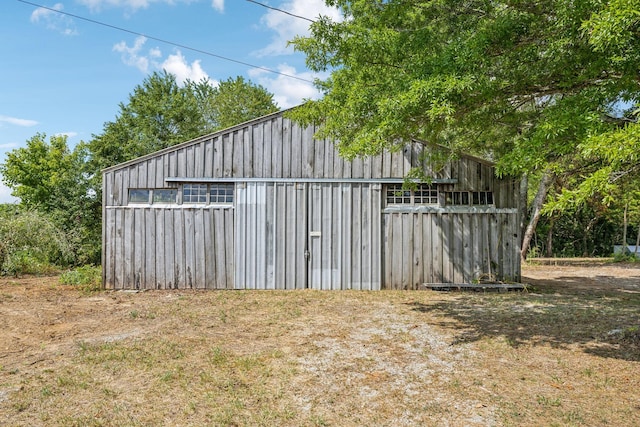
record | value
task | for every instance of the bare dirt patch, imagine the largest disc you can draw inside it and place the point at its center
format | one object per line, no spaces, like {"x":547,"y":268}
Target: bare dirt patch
{"x":562,"y":353}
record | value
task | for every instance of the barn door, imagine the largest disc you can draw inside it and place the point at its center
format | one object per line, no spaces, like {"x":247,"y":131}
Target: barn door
{"x":344,"y":227}
{"x":270,"y":233}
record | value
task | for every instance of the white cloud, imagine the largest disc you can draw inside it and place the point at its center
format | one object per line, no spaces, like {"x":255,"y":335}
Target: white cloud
{"x":218,"y":5}
{"x":151,"y":60}
{"x":286,"y":27}
{"x":288,"y":92}
{"x":132,"y":55}
{"x":67,"y":134}
{"x":18,"y":122}
{"x":177,"y":65}
{"x":9,"y":146}
{"x":5,"y":195}
{"x":52,"y":20}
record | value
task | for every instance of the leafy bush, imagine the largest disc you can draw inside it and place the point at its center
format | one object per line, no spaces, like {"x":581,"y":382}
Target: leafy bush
{"x":30,"y":243}
{"x":87,"y":278}
{"x":625,"y":257}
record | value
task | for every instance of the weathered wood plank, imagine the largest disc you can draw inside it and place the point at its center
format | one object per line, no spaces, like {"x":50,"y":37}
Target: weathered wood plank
{"x":308,"y":152}
{"x":258,"y":149}
{"x":149,"y":264}
{"x":199,"y":273}
{"x":276,"y":148}
{"x":160,"y":254}
{"x":229,"y":245}
{"x":247,"y":148}
{"x":437,"y":247}
{"x":417,"y":274}
{"x":227,"y":155}
{"x":169,"y":249}
{"x":267,"y":143}
{"x":208,"y":158}
{"x":427,"y":246}
{"x":457,"y":263}
{"x":179,"y":265}
{"x":198,"y":159}
{"x":119,"y":245}
{"x":467,"y":241}
{"x":237,"y":169}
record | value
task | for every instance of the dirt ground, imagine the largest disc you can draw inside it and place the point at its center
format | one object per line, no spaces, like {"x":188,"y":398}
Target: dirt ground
{"x":562,"y":353}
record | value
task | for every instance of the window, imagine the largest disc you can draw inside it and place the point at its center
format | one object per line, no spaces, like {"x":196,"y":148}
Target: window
{"x":216,"y":193}
{"x":161,"y":195}
{"x":194,"y":193}
{"x":469,"y":198}
{"x":423,"y":194}
{"x":139,"y":195}
{"x":221,"y":193}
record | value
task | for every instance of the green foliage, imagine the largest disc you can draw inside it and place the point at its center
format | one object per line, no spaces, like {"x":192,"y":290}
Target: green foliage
{"x":231,"y":102}
{"x":53,"y":179}
{"x":64,"y":184}
{"x":30,"y":243}
{"x":520,"y":82}
{"x":87,"y":278}
{"x":159,"y":114}
{"x":548,"y":86}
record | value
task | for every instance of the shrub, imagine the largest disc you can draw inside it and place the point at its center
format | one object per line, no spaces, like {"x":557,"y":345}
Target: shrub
{"x":87,"y":278}
{"x":30,"y":243}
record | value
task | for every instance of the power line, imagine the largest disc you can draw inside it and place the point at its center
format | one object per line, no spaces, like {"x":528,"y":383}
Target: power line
{"x":204,"y":52}
{"x":281,"y":10}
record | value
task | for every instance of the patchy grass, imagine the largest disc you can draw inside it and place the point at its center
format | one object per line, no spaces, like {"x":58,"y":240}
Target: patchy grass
{"x":561,"y":354}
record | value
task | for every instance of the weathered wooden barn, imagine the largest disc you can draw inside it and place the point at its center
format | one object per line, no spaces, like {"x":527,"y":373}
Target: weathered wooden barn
{"x":264,"y":205}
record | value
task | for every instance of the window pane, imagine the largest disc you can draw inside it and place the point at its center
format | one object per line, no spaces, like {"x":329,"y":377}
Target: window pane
{"x":426,"y":194}
{"x":221,"y":193}
{"x":138,"y":195}
{"x":194,"y":193}
{"x":164,"y":195}
{"x":423,"y":194}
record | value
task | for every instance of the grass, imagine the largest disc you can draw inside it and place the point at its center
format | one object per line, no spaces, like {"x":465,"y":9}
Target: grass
{"x":305,"y":358}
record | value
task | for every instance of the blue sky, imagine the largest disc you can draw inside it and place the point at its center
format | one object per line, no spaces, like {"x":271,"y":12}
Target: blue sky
{"x":64,"y":75}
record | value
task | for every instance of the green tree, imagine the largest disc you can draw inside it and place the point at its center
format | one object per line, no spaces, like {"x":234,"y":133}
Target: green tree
{"x":523,"y":83}
{"x":159,"y":114}
{"x":231,"y":102}
{"x":50,"y":178}
{"x":30,"y":242}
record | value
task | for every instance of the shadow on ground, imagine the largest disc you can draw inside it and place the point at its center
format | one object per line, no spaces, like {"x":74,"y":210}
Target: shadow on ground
{"x":601,"y":321}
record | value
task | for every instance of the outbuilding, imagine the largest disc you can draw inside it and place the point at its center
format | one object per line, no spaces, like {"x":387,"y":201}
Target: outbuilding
{"x":265,"y":205}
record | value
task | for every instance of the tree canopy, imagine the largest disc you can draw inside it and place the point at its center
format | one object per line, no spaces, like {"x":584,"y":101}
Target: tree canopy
{"x":518,"y":81}
{"x":539,"y":87}
{"x":64,"y":184}
{"x":231,"y":102}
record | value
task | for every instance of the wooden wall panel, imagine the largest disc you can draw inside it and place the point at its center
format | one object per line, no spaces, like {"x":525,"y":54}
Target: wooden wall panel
{"x":359,"y":247}
{"x":462,"y":247}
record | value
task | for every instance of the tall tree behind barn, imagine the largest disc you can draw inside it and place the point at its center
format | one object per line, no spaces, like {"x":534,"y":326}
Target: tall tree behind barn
{"x":264,"y":205}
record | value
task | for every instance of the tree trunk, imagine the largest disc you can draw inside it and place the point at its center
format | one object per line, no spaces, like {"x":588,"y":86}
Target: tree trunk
{"x":536,"y":210}
{"x":549,"y":252}
{"x":635,"y":250}
{"x":524,"y":197}
{"x":624,"y":230}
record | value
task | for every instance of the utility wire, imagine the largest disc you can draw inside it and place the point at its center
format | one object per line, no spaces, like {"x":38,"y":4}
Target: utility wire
{"x":280,"y":10}
{"x":204,"y":52}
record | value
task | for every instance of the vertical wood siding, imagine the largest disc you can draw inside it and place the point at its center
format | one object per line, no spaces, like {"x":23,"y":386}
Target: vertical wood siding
{"x":151,"y":248}
{"x":260,"y":242}
{"x":449,"y":247}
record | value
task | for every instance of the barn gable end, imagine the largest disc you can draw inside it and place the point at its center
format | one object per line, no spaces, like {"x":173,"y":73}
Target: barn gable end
{"x":264,"y":205}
